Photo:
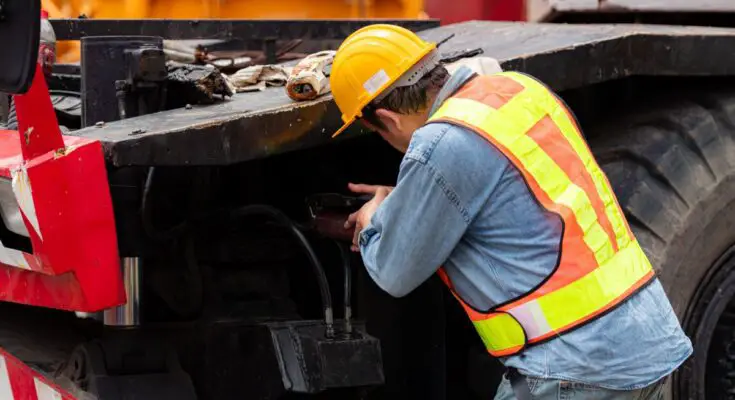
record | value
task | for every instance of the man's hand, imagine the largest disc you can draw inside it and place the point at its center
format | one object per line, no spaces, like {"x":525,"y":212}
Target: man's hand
{"x":361,"y":218}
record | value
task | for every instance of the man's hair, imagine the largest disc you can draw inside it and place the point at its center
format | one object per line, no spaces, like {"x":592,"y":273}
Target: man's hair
{"x":408,"y":99}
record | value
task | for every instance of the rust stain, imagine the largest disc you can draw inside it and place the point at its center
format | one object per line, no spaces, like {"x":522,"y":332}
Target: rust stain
{"x":27,"y":135}
{"x":283,"y":135}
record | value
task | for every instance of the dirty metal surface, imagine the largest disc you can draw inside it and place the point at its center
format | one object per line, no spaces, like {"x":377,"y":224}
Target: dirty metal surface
{"x":74,"y":29}
{"x":255,"y":125}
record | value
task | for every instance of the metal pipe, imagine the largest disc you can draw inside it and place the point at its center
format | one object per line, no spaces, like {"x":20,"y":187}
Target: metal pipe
{"x":127,"y":314}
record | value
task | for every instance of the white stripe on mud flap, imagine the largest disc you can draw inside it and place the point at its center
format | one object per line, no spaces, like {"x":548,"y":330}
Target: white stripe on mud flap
{"x":6,"y":391}
{"x":46,"y":392}
{"x":24,"y":197}
{"x":13,"y":257}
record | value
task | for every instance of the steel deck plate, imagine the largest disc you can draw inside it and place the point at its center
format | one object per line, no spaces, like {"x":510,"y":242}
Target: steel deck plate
{"x":255,"y":125}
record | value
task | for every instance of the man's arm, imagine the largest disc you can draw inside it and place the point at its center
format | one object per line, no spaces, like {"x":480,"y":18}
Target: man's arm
{"x":414,"y":230}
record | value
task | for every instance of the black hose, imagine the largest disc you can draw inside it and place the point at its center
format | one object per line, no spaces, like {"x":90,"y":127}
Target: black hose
{"x":148,"y":227}
{"x":281,"y":218}
{"x":246,"y":211}
{"x":345,"y":254}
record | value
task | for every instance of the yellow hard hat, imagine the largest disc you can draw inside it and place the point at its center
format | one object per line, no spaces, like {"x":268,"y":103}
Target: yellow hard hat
{"x":372,"y":59}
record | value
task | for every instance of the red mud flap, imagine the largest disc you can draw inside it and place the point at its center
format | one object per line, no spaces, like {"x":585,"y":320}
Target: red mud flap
{"x":20,"y":382}
{"x":57,"y":188}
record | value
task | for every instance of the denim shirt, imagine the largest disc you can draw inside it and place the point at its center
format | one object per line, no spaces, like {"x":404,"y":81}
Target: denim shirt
{"x":459,"y":203}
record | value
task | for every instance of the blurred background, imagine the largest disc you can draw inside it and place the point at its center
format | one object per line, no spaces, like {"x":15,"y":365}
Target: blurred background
{"x":447,"y":11}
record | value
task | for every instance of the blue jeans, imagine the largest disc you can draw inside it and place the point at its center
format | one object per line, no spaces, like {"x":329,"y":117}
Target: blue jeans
{"x":552,"y":389}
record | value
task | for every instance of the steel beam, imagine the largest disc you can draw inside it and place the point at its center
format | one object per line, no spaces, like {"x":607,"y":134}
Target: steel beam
{"x":182,"y":29}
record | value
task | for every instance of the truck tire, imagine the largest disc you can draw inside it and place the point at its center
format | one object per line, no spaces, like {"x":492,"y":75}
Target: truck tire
{"x":672,"y":167}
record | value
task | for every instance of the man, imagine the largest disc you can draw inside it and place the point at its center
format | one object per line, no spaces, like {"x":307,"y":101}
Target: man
{"x":499,"y":194}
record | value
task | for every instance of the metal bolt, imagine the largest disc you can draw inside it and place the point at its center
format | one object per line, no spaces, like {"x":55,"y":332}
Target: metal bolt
{"x":100,"y":124}
{"x":188,"y":107}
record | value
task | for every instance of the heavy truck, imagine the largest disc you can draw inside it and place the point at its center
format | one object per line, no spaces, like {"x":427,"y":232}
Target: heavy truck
{"x":157,"y":247}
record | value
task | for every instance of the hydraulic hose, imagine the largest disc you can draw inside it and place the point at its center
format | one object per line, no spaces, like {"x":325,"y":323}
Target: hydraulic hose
{"x":147,"y":223}
{"x":345,"y":254}
{"x":247,"y":211}
{"x":282,"y":219}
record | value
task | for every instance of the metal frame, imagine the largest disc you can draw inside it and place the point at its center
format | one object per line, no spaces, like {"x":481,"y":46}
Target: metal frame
{"x":260,"y":124}
{"x":183,"y":29}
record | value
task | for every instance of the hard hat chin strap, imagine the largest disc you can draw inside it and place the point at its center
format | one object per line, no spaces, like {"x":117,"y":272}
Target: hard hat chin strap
{"x":414,"y":74}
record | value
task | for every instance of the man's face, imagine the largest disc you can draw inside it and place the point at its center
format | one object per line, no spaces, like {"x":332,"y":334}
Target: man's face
{"x":399,"y":127}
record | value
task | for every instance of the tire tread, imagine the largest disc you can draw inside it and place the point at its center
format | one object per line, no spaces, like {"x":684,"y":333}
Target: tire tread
{"x":664,"y":161}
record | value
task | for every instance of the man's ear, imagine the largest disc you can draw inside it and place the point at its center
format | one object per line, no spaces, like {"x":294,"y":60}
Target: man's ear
{"x":389,"y":119}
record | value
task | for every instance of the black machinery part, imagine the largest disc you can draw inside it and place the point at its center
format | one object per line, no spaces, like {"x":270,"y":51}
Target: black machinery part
{"x":122,"y":76}
{"x":316,"y":204}
{"x":314,"y":356}
{"x":123,"y":367}
{"x":271,"y":213}
{"x":310,"y":362}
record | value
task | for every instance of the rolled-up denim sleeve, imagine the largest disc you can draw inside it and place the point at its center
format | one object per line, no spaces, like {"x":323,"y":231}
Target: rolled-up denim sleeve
{"x":414,"y":230}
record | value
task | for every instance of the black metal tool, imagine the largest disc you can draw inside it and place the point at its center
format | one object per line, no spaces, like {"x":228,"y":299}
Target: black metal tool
{"x":329,"y":212}
{"x":453,"y":56}
{"x":336,"y":202}
{"x":446,"y":39}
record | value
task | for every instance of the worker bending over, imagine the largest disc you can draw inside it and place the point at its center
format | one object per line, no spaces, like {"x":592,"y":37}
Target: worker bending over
{"x":499,"y":194}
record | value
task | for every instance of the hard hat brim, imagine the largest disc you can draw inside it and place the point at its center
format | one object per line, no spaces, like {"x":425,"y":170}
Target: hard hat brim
{"x":344,"y":127}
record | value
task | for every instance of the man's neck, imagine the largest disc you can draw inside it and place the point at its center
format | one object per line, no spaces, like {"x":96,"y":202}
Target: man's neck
{"x":456,"y":81}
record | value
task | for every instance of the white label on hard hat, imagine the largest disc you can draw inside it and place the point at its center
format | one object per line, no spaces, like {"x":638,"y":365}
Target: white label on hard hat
{"x":376,"y":81}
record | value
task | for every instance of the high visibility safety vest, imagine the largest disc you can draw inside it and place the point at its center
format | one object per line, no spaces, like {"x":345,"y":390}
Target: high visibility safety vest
{"x":601,"y":263}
